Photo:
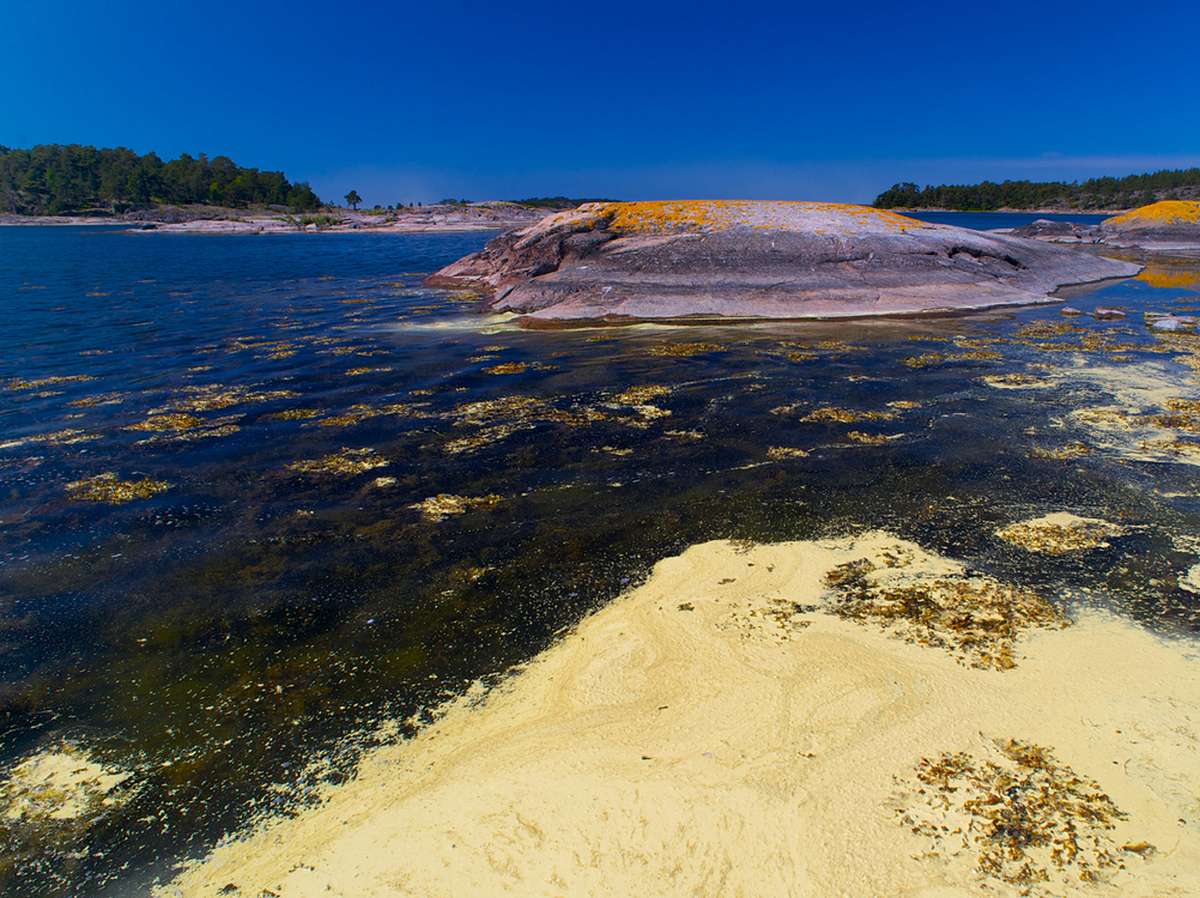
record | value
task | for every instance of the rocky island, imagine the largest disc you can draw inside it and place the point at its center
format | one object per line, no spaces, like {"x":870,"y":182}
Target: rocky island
{"x":755,"y":259}
{"x":1170,"y":226}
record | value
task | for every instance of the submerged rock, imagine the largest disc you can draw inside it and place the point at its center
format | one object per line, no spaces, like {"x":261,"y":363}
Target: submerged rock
{"x":747,"y":259}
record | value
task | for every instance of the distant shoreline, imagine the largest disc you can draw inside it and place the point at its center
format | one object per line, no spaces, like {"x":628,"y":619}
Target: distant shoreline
{"x":483,"y":216}
{"x":903,"y":209}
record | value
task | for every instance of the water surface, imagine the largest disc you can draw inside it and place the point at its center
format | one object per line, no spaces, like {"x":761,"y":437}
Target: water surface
{"x":237,"y":636}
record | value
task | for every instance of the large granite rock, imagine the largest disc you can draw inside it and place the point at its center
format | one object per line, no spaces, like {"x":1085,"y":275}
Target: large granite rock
{"x":1170,"y":225}
{"x":746,"y":259}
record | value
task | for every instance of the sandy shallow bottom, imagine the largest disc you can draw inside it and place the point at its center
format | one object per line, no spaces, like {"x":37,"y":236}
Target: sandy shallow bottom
{"x":716,"y":732}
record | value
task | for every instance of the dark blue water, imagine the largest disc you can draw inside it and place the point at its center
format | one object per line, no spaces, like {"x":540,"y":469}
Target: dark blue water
{"x":985,"y":221}
{"x":287,"y":402}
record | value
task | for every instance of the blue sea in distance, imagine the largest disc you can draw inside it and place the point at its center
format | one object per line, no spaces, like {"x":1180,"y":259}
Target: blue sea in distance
{"x":985,"y":221}
{"x":287,"y":403}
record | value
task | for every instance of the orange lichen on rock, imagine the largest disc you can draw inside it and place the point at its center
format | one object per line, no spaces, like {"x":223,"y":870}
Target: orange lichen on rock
{"x":657,"y":216}
{"x":1164,"y":212}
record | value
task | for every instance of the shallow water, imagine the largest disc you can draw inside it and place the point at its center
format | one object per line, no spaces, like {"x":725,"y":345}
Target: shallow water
{"x":216,"y":637}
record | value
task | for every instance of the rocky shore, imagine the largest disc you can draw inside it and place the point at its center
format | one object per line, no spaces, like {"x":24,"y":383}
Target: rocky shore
{"x":751,"y":259}
{"x":1168,"y":226}
{"x":483,"y":216}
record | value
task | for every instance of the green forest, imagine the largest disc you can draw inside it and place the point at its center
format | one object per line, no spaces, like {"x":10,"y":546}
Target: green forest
{"x":1095,"y":193}
{"x":55,"y":179}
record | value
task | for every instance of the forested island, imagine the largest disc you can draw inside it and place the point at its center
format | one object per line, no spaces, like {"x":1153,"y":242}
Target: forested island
{"x":55,"y":179}
{"x":1096,"y":193}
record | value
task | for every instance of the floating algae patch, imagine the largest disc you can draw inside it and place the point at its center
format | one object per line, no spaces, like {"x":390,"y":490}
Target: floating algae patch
{"x":168,"y":422}
{"x":110,"y":488}
{"x":439,"y":507}
{"x":783,"y":453}
{"x":180,"y":427}
{"x":293,"y":414}
{"x":641,"y":395}
{"x":975,"y":618}
{"x":498,"y":419}
{"x":19,"y":383}
{"x":343,"y":463}
{"x":215,"y":397}
{"x":358,"y":372}
{"x":832,"y":414}
{"x":66,"y":437}
{"x":362,"y":411}
{"x":684,"y":350}
{"x":115,"y":398}
{"x":872,"y":439}
{"x":1067,"y":452}
{"x":928,"y":359}
{"x":518,"y":368}
{"x":1027,"y":819}
{"x":61,"y":784}
{"x":1016,"y":381}
{"x":1060,"y":533}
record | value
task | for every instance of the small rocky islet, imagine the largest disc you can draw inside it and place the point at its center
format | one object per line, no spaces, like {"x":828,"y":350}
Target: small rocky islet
{"x":1168,"y":226}
{"x":723,"y":259}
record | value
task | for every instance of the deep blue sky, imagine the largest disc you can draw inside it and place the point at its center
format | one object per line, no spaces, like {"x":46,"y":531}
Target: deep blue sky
{"x":411,"y":101}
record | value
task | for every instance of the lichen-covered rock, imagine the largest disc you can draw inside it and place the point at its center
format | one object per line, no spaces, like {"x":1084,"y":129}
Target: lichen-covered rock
{"x":1166,"y":225}
{"x":749,"y":259}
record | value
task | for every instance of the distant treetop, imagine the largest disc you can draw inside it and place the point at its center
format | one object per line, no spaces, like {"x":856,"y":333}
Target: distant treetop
{"x":54,"y":179}
{"x":558,"y":202}
{"x":1095,"y":193}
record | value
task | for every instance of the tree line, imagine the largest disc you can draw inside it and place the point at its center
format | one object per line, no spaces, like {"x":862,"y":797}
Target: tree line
{"x":55,"y":179}
{"x":1094,"y":193}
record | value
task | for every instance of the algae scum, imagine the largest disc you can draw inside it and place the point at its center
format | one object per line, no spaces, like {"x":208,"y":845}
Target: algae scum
{"x":260,"y":495}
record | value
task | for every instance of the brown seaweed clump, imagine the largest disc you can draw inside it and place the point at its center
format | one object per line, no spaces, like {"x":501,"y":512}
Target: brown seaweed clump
{"x":19,"y":383}
{"x":640,"y":395}
{"x":929,"y":359}
{"x":836,"y":415}
{"x":168,"y":422}
{"x":215,"y":397}
{"x":870,"y":439}
{"x":343,"y":463}
{"x":1067,"y":452}
{"x":1016,"y":381}
{"x":292,"y":414}
{"x":66,"y":437}
{"x":975,"y":618}
{"x":518,"y":368}
{"x":1029,"y":820}
{"x":1059,"y":534}
{"x":684,"y":350}
{"x":783,"y":453}
{"x":108,"y":487}
{"x":439,"y":507}
{"x":498,"y":419}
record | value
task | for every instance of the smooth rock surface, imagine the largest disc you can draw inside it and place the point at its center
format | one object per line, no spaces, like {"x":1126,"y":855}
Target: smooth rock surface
{"x":753,"y":259}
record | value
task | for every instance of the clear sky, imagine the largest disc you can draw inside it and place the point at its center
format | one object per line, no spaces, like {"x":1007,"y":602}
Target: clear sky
{"x":405,"y":101}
